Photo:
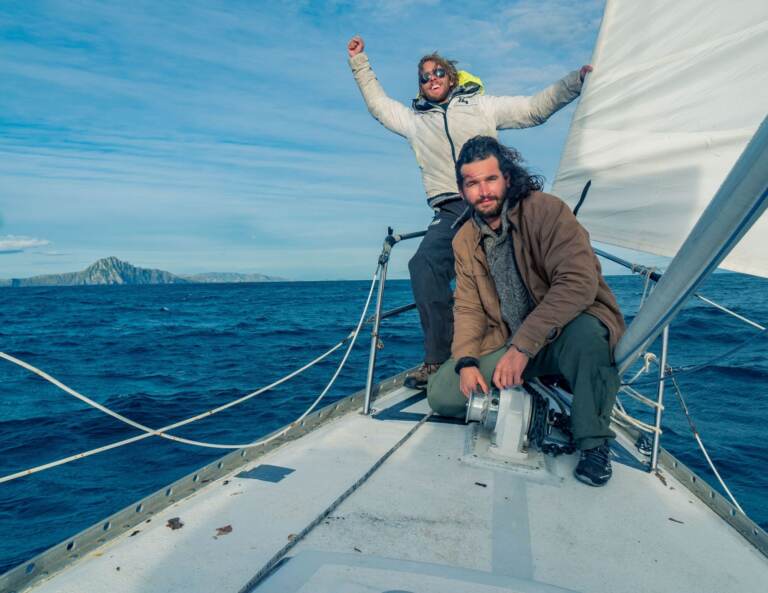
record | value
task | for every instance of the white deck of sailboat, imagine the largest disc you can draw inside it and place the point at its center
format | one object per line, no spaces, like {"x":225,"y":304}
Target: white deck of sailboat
{"x":432,"y":518}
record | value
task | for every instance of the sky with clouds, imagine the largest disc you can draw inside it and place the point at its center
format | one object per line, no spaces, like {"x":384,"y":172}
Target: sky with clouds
{"x":205,"y":136}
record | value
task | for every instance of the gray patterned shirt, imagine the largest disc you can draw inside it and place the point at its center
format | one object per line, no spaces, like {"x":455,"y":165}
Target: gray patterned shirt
{"x":516,"y":303}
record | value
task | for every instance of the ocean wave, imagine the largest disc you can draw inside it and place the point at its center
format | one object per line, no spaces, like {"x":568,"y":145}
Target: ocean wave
{"x":216,"y":343}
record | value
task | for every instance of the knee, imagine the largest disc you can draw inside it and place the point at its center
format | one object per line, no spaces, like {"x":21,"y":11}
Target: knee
{"x":443,"y":393}
{"x":448,"y":409}
{"x":590,"y":347}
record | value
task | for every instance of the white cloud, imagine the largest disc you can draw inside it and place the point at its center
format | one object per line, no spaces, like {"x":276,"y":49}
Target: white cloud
{"x":237,"y":127}
{"x":14,"y":244}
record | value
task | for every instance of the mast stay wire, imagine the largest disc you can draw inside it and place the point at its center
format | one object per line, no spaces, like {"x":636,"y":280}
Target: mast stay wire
{"x":161,"y":432}
{"x":697,"y":438}
{"x":674,"y":373}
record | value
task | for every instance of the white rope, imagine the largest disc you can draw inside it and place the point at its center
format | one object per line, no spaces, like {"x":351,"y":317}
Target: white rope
{"x":732,"y":313}
{"x":634,"y":421}
{"x":635,"y":394}
{"x":648,"y":358}
{"x":161,"y":431}
{"x":335,"y":375}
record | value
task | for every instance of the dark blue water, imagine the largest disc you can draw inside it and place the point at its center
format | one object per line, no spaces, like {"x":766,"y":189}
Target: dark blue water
{"x":158,"y":354}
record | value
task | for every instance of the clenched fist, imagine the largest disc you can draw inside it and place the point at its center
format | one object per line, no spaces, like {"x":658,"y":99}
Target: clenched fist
{"x":355,"y":46}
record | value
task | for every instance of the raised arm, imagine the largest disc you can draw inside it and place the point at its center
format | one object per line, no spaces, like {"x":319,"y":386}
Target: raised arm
{"x":392,"y":114}
{"x":525,"y":112}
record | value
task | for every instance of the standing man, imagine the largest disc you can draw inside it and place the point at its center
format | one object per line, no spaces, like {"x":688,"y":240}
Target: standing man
{"x":530,"y":301}
{"x":450,"y":108}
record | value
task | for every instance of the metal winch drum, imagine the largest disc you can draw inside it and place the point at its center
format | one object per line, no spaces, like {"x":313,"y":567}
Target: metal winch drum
{"x":515,"y":420}
{"x":506,"y":416}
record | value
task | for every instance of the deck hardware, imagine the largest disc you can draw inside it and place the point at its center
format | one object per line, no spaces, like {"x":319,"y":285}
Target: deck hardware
{"x":506,"y":416}
{"x":389,"y":241}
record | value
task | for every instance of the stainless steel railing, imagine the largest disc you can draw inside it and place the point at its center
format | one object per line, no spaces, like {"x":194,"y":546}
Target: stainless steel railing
{"x":390,"y":241}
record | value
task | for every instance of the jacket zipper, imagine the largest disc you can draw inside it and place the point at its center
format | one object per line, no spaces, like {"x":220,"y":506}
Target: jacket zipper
{"x":447,"y":133}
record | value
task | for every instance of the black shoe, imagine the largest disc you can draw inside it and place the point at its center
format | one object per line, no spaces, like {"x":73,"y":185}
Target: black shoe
{"x":418,"y":378}
{"x":594,"y":467}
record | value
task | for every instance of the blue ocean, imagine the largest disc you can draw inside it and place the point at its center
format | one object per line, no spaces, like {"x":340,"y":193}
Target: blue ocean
{"x":159,"y":354}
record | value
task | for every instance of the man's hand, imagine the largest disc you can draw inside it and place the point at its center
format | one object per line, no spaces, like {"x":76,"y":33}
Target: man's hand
{"x":356,"y":45}
{"x":469,"y":379}
{"x":586,"y":69}
{"x":509,"y":369}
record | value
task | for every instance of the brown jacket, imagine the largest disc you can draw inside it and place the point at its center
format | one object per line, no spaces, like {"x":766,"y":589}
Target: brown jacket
{"x":558,"y":267}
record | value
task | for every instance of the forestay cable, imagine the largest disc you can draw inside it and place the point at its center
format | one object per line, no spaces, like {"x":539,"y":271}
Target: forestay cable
{"x":161,"y":432}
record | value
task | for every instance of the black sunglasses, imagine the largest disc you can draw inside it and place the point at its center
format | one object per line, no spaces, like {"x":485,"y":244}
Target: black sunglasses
{"x":438,"y":72}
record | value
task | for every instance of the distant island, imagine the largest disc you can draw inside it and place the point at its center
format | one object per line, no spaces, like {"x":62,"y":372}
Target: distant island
{"x":110,"y":270}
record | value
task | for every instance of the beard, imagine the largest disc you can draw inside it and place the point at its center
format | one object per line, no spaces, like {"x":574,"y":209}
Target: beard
{"x":490,"y":210}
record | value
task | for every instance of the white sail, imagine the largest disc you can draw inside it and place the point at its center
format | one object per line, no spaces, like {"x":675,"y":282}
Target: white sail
{"x":678,"y":90}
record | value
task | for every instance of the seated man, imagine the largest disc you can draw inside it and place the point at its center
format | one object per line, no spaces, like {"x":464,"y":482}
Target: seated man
{"x":530,"y":300}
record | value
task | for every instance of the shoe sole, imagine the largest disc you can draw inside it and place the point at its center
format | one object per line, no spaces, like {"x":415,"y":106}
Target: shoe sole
{"x":588,"y":481}
{"x":412,"y":383}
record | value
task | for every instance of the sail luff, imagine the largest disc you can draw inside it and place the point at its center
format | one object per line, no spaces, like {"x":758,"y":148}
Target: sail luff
{"x":737,"y":205}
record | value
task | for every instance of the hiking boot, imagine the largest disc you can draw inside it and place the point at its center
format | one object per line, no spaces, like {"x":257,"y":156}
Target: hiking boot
{"x":594,"y":467}
{"x":418,"y":378}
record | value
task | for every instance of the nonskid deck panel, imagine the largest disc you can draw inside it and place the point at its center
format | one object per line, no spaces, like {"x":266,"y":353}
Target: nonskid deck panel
{"x":266,"y":513}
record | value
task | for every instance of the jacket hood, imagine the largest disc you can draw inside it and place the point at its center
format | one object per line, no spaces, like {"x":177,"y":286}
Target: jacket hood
{"x":467,"y":85}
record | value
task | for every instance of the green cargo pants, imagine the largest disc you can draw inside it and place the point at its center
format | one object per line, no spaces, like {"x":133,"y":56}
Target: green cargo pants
{"x":581,"y":354}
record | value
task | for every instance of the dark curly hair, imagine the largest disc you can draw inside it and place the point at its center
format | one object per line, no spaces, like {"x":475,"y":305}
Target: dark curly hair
{"x":521,"y":182}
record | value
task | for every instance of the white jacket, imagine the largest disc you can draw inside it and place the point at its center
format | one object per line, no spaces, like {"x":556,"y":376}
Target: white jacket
{"x":436,"y":135}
